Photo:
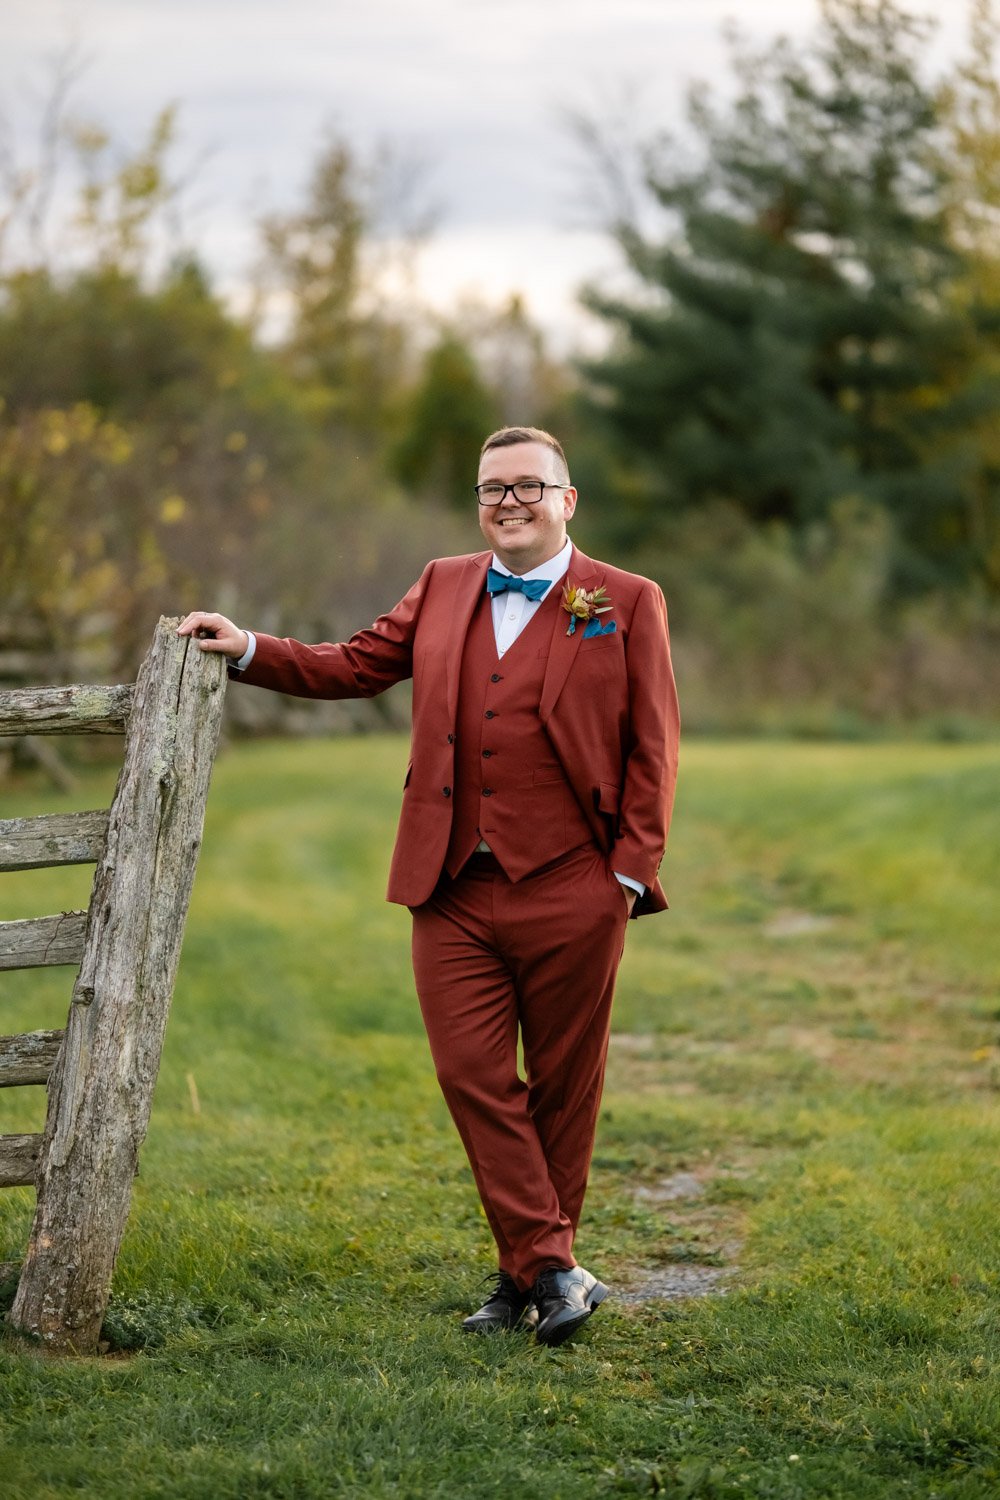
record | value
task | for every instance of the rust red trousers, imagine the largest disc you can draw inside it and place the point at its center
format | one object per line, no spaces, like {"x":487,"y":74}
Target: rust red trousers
{"x":494,"y":959}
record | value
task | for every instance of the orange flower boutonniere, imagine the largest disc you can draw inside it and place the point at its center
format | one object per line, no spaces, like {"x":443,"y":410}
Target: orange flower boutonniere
{"x":588,"y":605}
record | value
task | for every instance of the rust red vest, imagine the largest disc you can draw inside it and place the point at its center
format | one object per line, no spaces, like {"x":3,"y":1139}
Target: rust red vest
{"x":509,"y":786}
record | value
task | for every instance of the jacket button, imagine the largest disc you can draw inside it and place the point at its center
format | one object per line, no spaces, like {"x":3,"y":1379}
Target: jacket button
{"x":487,"y":754}
{"x":451,"y":739}
{"x":490,"y":714}
{"x":496,"y":677}
{"x":446,"y":791}
{"x":487,"y":791}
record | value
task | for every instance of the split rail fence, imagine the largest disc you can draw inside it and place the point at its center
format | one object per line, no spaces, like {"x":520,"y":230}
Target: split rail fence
{"x":100,"y":1071}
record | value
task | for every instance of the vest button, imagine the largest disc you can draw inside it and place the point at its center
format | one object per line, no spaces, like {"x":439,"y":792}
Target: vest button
{"x":487,"y":791}
{"x":495,"y":677}
{"x":490,"y":714}
{"x":451,"y":739}
{"x":487,"y":754}
{"x":446,"y":791}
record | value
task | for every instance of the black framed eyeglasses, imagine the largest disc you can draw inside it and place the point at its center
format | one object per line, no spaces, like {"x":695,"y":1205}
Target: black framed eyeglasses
{"x":528,"y":491}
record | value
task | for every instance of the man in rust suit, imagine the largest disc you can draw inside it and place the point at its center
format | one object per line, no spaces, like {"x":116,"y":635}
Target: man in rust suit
{"x":535,"y":813}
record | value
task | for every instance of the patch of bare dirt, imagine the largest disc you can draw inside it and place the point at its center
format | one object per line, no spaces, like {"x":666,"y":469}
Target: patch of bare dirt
{"x":701,"y":1240}
{"x":791,"y":924}
{"x":678,"y":1188}
{"x":672,"y":1283}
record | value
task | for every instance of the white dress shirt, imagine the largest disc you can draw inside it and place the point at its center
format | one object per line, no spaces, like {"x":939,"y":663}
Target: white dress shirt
{"x":511,"y":612}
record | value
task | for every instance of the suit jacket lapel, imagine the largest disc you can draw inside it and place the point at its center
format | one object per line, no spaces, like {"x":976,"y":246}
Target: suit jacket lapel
{"x":468,"y":592}
{"x":562,"y":651}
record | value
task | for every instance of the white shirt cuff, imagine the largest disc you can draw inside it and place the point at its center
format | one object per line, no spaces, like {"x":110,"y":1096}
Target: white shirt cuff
{"x":633,"y":885}
{"x":247,"y":657}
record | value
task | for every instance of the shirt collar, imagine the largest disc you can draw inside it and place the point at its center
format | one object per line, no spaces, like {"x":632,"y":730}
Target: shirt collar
{"x":555,"y":569}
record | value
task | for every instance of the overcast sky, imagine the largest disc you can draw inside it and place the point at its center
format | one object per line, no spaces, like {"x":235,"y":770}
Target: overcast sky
{"x":476,"y":89}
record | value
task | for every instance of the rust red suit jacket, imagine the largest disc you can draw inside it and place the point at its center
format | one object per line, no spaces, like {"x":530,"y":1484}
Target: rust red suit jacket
{"x":608,"y":705}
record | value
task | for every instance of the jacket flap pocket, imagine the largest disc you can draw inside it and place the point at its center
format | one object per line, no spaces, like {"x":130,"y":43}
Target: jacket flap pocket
{"x":608,"y":798}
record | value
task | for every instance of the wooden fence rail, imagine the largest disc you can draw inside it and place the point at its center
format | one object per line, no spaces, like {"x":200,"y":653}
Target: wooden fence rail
{"x":65,"y":710}
{"x":28,"y":1058}
{"x":101,"y":1070}
{"x":52,"y":839}
{"x":19,"y":1155}
{"x":40,"y":941}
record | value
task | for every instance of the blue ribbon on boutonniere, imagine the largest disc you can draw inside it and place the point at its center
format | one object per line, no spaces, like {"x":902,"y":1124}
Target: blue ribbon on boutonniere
{"x":587,"y":605}
{"x":594,"y":627}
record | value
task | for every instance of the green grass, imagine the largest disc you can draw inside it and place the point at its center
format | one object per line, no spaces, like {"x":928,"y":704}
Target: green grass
{"x":811,"y":1034}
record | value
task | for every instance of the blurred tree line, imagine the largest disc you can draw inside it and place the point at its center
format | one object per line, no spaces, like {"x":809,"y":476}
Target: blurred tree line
{"x":799,"y":401}
{"x":792,"y":427}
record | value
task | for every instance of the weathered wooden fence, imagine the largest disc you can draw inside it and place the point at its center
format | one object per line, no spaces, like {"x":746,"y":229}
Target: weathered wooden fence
{"x":101,"y":1070}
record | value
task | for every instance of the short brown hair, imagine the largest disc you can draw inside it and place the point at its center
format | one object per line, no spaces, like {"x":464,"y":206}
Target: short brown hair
{"x":506,"y":437}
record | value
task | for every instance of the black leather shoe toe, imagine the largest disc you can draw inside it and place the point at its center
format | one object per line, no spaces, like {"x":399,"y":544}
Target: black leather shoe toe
{"x":565,"y":1298}
{"x":505,"y":1307}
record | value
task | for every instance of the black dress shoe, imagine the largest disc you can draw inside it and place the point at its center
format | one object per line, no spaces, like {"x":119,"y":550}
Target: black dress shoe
{"x":504,"y":1308}
{"x":565,"y":1298}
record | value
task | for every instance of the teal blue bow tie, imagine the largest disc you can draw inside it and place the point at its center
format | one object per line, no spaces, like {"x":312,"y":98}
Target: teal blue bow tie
{"x":502,"y":583}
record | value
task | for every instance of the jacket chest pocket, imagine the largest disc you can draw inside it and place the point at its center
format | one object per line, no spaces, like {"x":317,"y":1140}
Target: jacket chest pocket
{"x":612,"y":645}
{"x":601,"y":660}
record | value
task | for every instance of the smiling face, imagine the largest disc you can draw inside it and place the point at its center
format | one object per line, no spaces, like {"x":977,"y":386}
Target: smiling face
{"x":525,"y":536}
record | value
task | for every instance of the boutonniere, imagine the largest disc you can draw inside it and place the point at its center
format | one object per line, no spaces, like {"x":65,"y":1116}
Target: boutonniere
{"x":589,"y":605}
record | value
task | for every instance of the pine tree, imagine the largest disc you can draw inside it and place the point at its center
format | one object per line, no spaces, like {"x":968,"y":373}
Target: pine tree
{"x":448,"y":414}
{"x":971,"y":111}
{"x":797,"y":340}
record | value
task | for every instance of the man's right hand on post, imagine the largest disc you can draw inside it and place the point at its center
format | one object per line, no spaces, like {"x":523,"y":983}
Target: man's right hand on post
{"x":215,"y":633}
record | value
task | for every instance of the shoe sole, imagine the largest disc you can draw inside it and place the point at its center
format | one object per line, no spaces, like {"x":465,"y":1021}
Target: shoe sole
{"x":564,"y":1330}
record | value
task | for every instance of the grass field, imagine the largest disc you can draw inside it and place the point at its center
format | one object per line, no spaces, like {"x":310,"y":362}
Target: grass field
{"x":803,"y":1111}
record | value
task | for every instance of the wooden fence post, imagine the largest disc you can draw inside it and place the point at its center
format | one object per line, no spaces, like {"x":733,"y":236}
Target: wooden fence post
{"x":101,"y":1088}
